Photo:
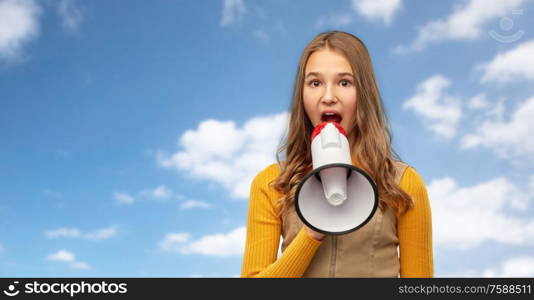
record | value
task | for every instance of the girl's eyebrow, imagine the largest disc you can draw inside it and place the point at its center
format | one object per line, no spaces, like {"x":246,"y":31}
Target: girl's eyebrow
{"x":319,"y":74}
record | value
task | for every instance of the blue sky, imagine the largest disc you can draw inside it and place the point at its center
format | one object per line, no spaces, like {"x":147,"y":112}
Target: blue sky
{"x":130,"y":130}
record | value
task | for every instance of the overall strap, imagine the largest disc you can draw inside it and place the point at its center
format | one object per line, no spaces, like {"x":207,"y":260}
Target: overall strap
{"x":400,"y":167}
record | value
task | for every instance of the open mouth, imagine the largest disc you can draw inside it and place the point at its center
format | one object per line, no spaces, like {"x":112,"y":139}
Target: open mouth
{"x":331,"y":117}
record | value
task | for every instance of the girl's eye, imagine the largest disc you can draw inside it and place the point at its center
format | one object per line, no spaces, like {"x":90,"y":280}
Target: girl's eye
{"x":314,"y":83}
{"x":345,"y":83}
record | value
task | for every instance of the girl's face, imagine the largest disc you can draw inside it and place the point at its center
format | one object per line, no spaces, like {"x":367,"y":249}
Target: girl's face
{"x":329,"y":91}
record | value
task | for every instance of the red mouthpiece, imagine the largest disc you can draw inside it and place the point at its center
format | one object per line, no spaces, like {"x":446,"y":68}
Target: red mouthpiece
{"x":320,"y":127}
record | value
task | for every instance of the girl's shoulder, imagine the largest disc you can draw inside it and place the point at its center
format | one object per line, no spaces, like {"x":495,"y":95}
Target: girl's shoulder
{"x":267,"y":174}
{"x":400,"y":165}
{"x":409,"y":178}
{"x":403,"y":167}
{"x":263,"y":180}
{"x":407,"y":175}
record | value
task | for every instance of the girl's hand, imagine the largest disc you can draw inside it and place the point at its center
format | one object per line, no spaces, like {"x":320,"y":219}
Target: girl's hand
{"x":314,"y":234}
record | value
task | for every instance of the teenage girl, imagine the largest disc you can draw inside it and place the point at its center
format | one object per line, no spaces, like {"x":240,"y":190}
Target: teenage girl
{"x":335,"y":82}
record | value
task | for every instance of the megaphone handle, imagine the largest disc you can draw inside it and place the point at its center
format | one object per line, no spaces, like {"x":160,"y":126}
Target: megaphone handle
{"x":319,"y":177}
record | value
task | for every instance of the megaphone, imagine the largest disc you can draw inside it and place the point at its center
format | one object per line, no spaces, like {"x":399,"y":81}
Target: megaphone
{"x":335,"y":197}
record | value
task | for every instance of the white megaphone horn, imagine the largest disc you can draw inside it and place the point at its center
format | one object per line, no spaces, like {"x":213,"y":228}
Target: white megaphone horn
{"x":335,"y":197}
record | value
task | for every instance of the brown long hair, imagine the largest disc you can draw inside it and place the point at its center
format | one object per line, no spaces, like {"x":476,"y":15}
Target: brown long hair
{"x":371,"y":137}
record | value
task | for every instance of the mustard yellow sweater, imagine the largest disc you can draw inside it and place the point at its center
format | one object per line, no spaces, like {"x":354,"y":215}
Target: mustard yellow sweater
{"x":414,"y":229}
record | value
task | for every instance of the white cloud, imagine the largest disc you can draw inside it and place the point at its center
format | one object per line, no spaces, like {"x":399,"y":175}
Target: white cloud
{"x":440,"y":112}
{"x":373,"y":10}
{"x":483,"y":109}
{"x":70,"y":14}
{"x":63,"y":232}
{"x":171,"y":240}
{"x":496,"y":111}
{"x":191,"y":204}
{"x":479,"y":101}
{"x":62,"y":255}
{"x":80,"y":265}
{"x":465,"y":23}
{"x":123,"y":198}
{"x":228,"y":244}
{"x":515,"y":267}
{"x":377,"y":10}
{"x":18,"y":25}
{"x":161,"y":192}
{"x":233,"y":10}
{"x":464,"y":217}
{"x":99,"y":234}
{"x":509,"y":139}
{"x":521,"y":266}
{"x":220,"y":152}
{"x":68,"y":257}
{"x":516,"y":63}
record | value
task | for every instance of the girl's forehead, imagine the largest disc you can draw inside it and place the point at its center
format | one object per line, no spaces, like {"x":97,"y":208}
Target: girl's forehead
{"x":327,"y":61}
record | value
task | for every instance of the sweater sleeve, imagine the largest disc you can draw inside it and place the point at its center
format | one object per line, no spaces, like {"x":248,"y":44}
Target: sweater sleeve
{"x":263,"y":236}
{"x":415,"y":229}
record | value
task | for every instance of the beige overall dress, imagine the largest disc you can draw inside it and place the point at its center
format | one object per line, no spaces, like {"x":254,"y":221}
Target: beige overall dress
{"x":370,"y":251}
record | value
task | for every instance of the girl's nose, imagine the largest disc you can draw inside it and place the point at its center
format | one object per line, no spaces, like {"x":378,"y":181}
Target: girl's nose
{"x":328,"y":96}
